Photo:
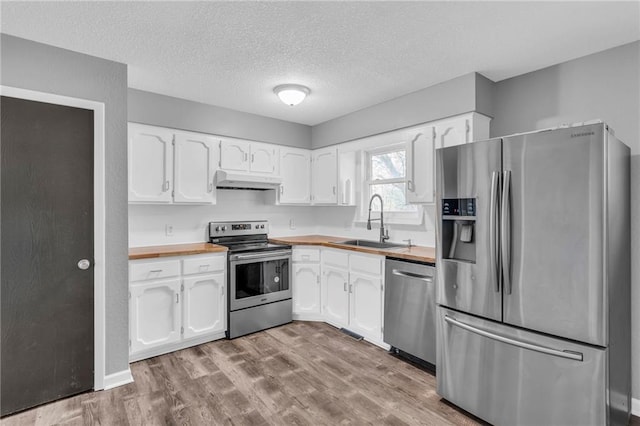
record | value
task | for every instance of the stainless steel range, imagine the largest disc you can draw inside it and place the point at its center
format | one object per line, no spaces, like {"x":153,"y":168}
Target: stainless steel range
{"x":258,"y":283}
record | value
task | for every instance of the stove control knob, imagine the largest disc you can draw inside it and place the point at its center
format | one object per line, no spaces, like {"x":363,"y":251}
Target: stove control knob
{"x":217,"y":229}
{"x":224,"y":228}
{"x":262,"y":226}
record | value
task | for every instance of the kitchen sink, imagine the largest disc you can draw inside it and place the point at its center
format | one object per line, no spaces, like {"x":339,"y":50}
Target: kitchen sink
{"x":369,"y":243}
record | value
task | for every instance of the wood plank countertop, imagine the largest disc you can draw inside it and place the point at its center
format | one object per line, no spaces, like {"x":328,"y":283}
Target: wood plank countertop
{"x":417,"y":253}
{"x":151,"y":252}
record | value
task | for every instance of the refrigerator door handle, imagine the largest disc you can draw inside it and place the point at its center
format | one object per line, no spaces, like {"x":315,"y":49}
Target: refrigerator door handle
{"x":505,"y":231}
{"x":576,"y":356}
{"x":493,"y":230}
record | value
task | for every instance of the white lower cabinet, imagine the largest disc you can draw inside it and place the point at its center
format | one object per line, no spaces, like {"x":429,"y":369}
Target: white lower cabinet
{"x":335,"y":304}
{"x":176,"y":302}
{"x":306,"y":286}
{"x":353,"y":292}
{"x":155,"y":314}
{"x":204,"y":305}
{"x":365,"y":308}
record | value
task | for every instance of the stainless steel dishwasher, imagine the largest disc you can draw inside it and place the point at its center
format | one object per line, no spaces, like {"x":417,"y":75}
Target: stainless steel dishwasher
{"x":410,"y":309}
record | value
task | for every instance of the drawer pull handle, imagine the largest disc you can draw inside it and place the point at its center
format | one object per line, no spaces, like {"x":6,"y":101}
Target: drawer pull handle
{"x":156,"y":270}
{"x":576,"y":356}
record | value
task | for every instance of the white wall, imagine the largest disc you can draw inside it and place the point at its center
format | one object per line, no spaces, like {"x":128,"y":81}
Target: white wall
{"x":160,"y":110}
{"x":449,"y":98}
{"x":147,"y":222}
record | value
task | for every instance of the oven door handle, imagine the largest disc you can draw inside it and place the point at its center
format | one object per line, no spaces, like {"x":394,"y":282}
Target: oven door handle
{"x":263,"y":255}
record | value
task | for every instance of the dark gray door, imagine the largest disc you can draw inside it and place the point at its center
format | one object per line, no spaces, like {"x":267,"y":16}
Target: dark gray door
{"x":46,"y":215}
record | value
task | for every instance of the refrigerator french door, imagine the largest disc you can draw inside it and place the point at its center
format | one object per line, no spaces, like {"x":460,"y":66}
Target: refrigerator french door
{"x":534,"y":275}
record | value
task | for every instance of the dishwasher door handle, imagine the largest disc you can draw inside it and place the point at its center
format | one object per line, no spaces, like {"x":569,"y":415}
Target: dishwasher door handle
{"x":412,"y":275}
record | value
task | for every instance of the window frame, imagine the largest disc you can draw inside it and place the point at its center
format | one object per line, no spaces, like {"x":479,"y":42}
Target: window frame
{"x":411,"y":217}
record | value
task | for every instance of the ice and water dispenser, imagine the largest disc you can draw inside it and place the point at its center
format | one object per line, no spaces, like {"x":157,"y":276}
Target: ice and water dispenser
{"x":458,"y":229}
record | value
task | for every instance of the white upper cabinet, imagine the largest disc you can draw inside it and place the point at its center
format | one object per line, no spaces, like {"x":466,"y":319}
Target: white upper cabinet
{"x":264,"y":158}
{"x":243,"y":156}
{"x":420,"y":161}
{"x":170,"y":166}
{"x":462,"y":129}
{"x":295,"y":170}
{"x":324,"y":176}
{"x":348,"y":189}
{"x":194,"y":168}
{"x":234,"y":155}
{"x":421,"y":143}
{"x":150,"y":164}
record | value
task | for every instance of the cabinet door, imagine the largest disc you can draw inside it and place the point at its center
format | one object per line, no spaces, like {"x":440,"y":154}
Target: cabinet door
{"x":150,"y":164}
{"x":234,"y":155}
{"x":296,"y":176}
{"x":365,"y":310}
{"x":421,"y":166}
{"x":306,"y":288}
{"x":204,"y":305}
{"x":335,"y":295}
{"x":194,"y":168}
{"x":453,"y":132}
{"x":264,"y":158}
{"x":324,"y":177}
{"x":154,"y":313}
{"x":347,"y":178}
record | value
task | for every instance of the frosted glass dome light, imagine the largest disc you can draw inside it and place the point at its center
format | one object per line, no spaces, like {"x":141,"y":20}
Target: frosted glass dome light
{"x":291,"y":94}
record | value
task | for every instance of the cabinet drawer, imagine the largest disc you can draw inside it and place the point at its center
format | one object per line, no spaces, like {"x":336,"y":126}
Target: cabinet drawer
{"x":306,"y":255}
{"x":201,"y":265}
{"x":139,"y":271}
{"x":339,"y":258}
{"x":366,"y":264}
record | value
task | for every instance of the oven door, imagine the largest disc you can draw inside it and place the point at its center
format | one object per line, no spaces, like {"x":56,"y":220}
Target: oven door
{"x":259,"y":278}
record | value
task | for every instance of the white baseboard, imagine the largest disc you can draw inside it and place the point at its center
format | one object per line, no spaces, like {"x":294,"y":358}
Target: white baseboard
{"x":635,"y":407}
{"x":118,"y":379}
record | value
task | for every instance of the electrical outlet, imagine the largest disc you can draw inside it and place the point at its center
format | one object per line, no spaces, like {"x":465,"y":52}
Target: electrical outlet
{"x":168,"y":230}
{"x":292,"y":224}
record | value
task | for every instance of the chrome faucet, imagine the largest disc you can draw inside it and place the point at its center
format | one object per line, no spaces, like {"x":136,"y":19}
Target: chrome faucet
{"x":384,"y":234}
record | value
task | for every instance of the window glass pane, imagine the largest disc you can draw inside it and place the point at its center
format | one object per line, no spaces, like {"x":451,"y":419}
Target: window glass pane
{"x":389,"y":165}
{"x":393,"y":196}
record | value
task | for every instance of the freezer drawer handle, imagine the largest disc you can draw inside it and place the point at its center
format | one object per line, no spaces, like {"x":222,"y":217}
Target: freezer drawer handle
{"x":576,"y":356}
{"x":412,"y":275}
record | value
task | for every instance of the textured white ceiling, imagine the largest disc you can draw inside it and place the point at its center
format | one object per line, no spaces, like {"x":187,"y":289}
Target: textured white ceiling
{"x":351,"y":54}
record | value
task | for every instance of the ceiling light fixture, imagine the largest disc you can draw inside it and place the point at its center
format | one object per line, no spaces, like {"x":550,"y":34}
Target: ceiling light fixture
{"x":291,"y":94}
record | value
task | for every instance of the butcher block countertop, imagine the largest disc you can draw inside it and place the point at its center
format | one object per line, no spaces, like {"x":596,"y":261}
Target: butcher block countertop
{"x":418,"y":253}
{"x":151,"y":252}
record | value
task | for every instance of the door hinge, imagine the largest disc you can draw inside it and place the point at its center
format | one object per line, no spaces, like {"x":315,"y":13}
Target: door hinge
{"x":129,"y":342}
{"x":173,"y":193}
{"x":173,"y":140}
{"x":181,"y":330}
{"x":382,"y":329}
{"x":129,"y":295}
{"x":181,"y":287}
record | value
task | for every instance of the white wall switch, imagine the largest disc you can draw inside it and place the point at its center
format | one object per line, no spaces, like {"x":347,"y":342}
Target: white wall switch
{"x":292,"y":224}
{"x":168,"y":230}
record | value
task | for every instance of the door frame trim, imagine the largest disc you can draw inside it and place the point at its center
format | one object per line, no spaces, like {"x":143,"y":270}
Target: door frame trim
{"x":99,"y":206}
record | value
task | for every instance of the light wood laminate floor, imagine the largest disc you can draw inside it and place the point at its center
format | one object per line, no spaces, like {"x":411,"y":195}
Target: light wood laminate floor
{"x":303,"y":373}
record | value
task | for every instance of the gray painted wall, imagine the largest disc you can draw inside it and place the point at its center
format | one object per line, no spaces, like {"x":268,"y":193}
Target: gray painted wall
{"x":452,"y":97}
{"x":160,"y":110}
{"x":604,"y":85}
{"x":35,"y":66}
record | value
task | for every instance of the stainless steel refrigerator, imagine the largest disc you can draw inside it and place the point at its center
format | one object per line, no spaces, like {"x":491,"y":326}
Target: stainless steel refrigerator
{"x":533,"y":283}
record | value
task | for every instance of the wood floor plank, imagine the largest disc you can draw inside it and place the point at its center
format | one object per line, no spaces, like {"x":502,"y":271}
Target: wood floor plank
{"x":303,"y":373}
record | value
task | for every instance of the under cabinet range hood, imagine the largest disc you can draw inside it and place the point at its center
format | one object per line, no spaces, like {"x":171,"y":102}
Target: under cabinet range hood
{"x":243,"y":180}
